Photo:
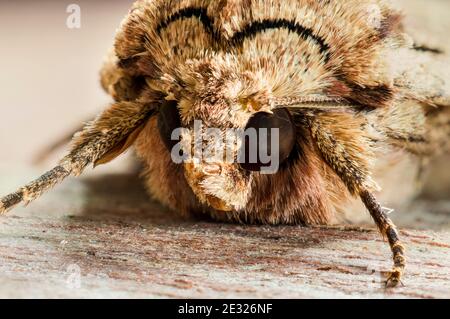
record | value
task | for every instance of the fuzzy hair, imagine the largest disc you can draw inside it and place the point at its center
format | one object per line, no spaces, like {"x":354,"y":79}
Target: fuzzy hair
{"x":355,"y":84}
{"x":218,"y":59}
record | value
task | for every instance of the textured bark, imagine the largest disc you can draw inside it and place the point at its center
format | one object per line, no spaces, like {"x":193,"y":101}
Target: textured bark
{"x":123,"y":245}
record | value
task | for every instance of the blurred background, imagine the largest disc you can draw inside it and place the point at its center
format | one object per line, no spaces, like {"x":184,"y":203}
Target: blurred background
{"x":49,"y":73}
{"x":49,"y":80}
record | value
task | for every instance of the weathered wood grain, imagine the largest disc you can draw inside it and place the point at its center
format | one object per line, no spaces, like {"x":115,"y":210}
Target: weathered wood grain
{"x":105,"y":230}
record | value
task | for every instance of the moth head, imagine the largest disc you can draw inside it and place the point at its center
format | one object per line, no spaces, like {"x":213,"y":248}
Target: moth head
{"x":222,"y":126}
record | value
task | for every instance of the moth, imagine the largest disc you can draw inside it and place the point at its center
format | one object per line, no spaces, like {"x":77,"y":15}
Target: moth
{"x":342,"y":81}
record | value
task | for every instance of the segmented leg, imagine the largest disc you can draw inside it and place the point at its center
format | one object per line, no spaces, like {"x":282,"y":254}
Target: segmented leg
{"x":347,"y":149}
{"x":100,"y":141}
{"x":388,"y":230}
{"x":34,"y":189}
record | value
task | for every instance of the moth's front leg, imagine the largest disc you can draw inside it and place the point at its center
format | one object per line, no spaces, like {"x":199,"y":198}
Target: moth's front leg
{"x":347,"y":148}
{"x":389,"y":231}
{"x":100,"y":141}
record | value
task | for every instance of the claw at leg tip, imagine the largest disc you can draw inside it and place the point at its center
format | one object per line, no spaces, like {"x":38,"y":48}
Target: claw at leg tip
{"x":394,"y":279}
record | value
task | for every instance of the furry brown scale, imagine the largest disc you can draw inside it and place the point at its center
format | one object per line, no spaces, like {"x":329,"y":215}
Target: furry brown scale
{"x":354,"y":83}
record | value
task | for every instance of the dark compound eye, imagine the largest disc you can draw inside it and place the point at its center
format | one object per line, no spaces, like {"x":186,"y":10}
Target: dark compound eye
{"x":168,"y":121}
{"x":281,"y":120}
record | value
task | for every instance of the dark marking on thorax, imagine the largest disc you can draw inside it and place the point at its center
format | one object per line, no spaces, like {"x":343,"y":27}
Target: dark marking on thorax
{"x":188,"y":13}
{"x":250,"y":31}
{"x":257,"y":27}
{"x":423,"y":48}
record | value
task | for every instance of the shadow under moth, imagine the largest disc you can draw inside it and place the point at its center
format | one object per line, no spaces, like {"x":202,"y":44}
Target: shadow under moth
{"x":342,"y":80}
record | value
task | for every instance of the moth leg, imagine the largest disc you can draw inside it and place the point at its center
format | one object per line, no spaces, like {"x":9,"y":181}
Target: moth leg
{"x":34,"y":189}
{"x":346,"y":147}
{"x":99,"y":142}
{"x":389,"y":231}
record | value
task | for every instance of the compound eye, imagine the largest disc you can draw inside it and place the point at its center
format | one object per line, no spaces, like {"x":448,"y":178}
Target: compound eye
{"x":264,"y":123}
{"x":168,"y":121}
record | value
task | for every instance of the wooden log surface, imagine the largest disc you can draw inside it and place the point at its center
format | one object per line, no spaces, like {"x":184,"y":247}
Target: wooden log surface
{"x":101,"y":237}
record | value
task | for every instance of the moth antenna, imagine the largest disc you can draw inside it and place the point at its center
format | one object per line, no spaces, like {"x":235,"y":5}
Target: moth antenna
{"x":315,"y":98}
{"x":312,"y":102}
{"x":99,"y":142}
